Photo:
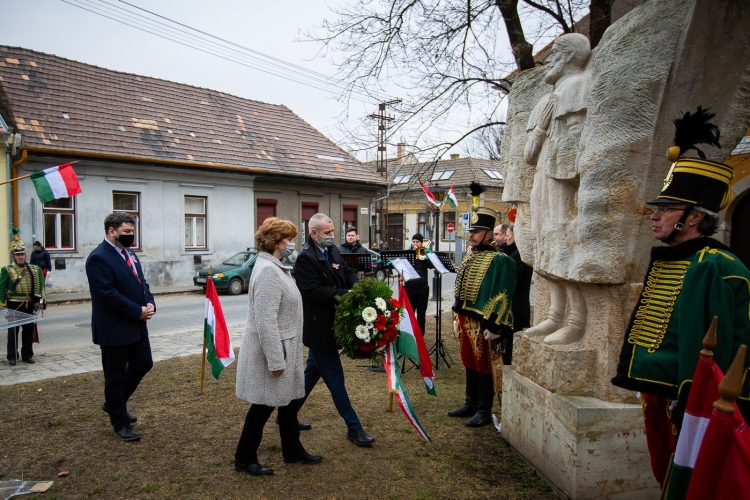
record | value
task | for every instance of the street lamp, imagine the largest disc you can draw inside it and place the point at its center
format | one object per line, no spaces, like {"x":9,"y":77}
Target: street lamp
{"x":439,"y":194}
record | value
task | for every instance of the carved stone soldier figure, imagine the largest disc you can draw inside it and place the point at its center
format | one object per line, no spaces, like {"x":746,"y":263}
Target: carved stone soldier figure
{"x":554,"y":131}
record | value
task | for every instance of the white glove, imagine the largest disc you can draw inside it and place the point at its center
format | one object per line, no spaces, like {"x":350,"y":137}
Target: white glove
{"x":488,"y":335}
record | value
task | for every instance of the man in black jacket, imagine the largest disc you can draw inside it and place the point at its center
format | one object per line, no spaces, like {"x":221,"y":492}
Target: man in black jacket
{"x":418,"y":289}
{"x":352,"y":244}
{"x":521,"y":306}
{"x":321,"y":276}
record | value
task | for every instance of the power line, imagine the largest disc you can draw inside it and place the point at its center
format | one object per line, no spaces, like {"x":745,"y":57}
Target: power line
{"x":323,"y":83}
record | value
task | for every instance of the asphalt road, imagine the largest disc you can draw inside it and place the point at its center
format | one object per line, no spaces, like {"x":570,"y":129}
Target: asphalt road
{"x":69,"y":326}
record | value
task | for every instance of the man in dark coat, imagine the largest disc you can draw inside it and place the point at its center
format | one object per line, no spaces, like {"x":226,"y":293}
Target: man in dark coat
{"x":352,"y":244}
{"x":418,"y":289}
{"x":321,"y":276}
{"x":520,"y":306}
{"x":121,"y":303}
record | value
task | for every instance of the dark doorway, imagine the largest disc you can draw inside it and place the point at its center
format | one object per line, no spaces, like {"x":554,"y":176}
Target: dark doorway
{"x":396,"y":231}
{"x":308,"y":210}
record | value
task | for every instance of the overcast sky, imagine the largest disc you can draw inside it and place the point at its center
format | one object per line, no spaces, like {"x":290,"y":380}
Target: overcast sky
{"x":270,"y":27}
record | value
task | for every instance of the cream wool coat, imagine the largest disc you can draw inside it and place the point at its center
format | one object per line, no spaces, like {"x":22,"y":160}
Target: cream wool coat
{"x":273,"y":337}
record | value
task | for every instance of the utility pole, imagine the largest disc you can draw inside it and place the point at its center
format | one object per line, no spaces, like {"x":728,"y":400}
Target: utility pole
{"x":381,"y":206}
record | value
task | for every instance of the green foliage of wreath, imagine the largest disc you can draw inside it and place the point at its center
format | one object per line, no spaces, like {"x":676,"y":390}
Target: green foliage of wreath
{"x":349,"y":317}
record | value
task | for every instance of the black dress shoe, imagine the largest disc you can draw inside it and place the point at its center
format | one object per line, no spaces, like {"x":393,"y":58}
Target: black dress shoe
{"x":128,"y":434}
{"x":463,"y":412}
{"x":255,"y":469}
{"x":360,"y":437}
{"x":305,"y":458}
{"x":303,"y":426}
{"x":30,"y":361}
{"x":133,"y":419}
{"x":480,"y":419}
{"x":12,"y":362}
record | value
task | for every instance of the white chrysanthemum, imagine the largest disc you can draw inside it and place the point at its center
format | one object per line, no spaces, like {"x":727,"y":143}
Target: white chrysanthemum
{"x":363,"y":333}
{"x":369,"y":314}
{"x":380,"y":303}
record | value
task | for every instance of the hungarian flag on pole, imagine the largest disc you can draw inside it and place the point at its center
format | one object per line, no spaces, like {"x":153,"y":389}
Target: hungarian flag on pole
{"x":429,"y":194}
{"x":722,"y":469}
{"x":703,"y":392}
{"x":411,"y":342}
{"x":219,"y":351}
{"x":396,"y":386}
{"x":451,"y":198}
{"x":56,"y":182}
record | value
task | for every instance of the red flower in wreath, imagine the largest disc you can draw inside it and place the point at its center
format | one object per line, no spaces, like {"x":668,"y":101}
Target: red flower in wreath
{"x":380,"y":323}
{"x":395,"y":316}
{"x":394,"y":303}
{"x":383,"y":341}
{"x":366,"y":347}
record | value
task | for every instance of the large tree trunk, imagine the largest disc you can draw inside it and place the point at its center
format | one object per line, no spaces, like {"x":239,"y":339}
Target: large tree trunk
{"x":522,"y":50}
{"x":600,"y":18}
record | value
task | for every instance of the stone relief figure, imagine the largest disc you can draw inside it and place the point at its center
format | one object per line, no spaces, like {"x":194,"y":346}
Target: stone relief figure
{"x":554,"y":132}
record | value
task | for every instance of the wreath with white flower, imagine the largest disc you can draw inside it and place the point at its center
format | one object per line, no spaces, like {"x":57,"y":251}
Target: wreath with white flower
{"x":367,"y":319}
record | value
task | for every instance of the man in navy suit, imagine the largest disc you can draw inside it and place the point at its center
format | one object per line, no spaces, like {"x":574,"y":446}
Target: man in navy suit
{"x":121,"y":303}
{"x":321,"y":276}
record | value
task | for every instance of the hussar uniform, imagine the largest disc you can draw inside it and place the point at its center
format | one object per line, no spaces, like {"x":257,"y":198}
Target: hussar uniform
{"x":21,"y":289}
{"x":686,"y":285}
{"x":484,"y":289}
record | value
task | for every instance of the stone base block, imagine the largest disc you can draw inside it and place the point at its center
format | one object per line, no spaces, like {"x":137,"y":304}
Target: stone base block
{"x":588,"y":448}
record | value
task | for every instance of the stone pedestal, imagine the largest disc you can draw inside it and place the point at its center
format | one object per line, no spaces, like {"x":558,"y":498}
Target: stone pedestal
{"x":589,"y":448}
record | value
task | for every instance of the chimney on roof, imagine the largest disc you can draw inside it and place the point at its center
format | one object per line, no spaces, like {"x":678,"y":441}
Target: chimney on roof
{"x":400,"y":151}
{"x":455,"y":156}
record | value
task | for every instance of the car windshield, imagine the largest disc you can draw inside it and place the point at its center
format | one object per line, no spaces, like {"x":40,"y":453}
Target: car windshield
{"x":239,"y":258}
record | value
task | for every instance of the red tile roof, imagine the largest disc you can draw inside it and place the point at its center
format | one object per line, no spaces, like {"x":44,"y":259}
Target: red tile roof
{"x":64,"y":106}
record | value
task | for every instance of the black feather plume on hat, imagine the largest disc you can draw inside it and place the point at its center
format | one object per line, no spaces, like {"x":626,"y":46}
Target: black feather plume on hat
{"x":694,"y":128}
{"x":476,"y":189}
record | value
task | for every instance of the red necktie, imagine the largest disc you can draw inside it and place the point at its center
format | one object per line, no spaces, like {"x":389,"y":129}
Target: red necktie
{"x":130,"y":264}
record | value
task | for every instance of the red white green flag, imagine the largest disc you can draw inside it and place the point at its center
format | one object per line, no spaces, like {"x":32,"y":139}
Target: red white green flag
{"x":219,"y":351}
{"x":451,"y":198}
{"x":396,"y":386}
{"x":428,"y":193}
{"x":56,"y":182}
{"x":411,"y":342}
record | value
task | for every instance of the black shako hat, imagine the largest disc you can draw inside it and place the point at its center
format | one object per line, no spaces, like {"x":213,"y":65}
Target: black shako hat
{"x":698,"y":182}
{"x":483,"y":218}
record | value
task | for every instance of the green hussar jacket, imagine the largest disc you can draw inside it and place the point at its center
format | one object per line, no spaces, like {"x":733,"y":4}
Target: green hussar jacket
{"x":21,"y":284}
{"x":485,"y":284}
{"x":686,"y":286}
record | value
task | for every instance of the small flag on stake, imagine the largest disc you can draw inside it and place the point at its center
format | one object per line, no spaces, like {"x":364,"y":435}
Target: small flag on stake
{"x":220,"y":353}
{"x":451,"y":198}
{"x":56,"y":182}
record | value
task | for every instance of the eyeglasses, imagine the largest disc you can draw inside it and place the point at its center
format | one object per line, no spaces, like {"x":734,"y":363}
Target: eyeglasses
{"x":663,"y":209}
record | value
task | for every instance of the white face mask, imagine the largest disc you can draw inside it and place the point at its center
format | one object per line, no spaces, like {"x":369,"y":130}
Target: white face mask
{"x":286,"y":252}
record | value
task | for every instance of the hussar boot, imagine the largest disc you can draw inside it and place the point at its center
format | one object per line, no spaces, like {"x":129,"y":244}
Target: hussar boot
{"x":469,"y":407}
{"x":483,"y":416}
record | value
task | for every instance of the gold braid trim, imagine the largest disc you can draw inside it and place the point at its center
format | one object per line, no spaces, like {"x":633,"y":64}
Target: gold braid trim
{"x":713,"y":251}
{"x":663,"y":286}
{"x":502,"y":311}
{"x":470,"y":275}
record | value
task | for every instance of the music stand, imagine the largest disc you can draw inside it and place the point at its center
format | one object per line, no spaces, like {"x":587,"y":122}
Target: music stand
{"x":358,"y":261}
{"x":439,"y":346}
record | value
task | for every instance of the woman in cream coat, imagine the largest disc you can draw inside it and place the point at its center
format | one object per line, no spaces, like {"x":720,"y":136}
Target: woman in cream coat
{"x":270,"y":371}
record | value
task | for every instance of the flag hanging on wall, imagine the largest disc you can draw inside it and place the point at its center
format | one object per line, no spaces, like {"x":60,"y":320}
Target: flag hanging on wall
{"x":56,"y":182}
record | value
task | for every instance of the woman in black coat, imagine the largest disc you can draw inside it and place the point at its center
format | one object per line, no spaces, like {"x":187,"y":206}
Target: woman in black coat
{"x":40,"y":257}
{"x":520,"y":305}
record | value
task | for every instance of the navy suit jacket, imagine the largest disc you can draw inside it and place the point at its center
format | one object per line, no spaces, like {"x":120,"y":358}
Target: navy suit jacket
{"x":319,"y":287}
{"x":116,"y":297}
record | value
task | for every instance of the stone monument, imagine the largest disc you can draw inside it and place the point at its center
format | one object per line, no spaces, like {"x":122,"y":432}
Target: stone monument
{"x":583,"y":151}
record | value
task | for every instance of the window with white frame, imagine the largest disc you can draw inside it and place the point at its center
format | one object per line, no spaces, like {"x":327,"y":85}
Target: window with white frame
{"x":59,"y":224}
{"x":442,"y":175}
{"x":196,"y":225}
{"x":129,"y":203}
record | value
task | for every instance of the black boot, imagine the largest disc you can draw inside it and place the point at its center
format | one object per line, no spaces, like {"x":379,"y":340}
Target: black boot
{"x":469,"y":407}
{"x":486,"y":391}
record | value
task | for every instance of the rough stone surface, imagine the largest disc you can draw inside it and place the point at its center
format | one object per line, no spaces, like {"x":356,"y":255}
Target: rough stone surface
{"x":588,"y":448}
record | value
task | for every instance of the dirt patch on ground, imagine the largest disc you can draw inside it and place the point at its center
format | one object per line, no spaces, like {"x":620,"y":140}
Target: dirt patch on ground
{"x":188,"y":444}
